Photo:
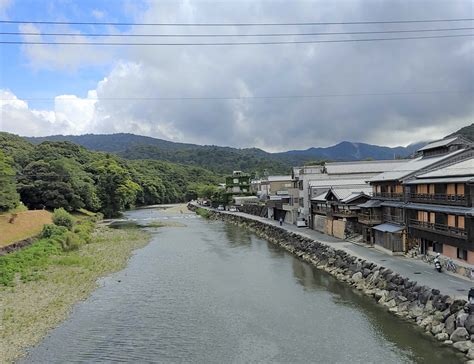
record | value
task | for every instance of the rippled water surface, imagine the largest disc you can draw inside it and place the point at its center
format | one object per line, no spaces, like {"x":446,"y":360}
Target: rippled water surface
{"x":214,"y":293}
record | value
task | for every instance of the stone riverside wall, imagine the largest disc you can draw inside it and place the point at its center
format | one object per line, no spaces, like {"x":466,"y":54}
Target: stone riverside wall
{"x":439,"y":315}
{"x":4,"y":250}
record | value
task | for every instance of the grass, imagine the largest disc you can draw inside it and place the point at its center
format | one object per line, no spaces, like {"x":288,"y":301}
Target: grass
{"x":26,"y":225}
{"x":203,"y":212}
{"x":32,"y":307}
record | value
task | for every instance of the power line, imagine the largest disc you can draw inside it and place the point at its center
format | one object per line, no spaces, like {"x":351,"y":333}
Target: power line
{"x":234,"y":35}
{"x":236,"y":24}
{"x":241,"y":97}
{"x":238,"y":43}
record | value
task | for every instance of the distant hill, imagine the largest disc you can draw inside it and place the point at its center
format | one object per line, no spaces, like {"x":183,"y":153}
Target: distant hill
{"x":467,"y":131}
{"x":226,"y":159}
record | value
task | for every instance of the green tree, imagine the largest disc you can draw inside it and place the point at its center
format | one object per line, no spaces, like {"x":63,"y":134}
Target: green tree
{"x":9,"y":198}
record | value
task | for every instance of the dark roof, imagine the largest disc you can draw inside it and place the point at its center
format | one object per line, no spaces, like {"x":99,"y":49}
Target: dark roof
{"x":457,"y":210}
{"x":393,"y":203}
{"x":388,"y":228}
{"x":371,"y":203}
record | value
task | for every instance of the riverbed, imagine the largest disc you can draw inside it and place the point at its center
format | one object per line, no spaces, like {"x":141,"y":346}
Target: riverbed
{"x":210,"y":292}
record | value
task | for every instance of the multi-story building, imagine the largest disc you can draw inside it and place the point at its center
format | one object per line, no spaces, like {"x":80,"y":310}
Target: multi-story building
{"x":281,"y":196}
{"x":440,"y":211}
{"x":238,"y":184}
{"x":391,"y":191}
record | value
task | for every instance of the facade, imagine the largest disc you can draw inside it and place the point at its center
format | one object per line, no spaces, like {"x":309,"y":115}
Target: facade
{"x":440,"y":211}
{"x":281,"y":196}
{"x":238,"y":184}
{"x":385,"y":222}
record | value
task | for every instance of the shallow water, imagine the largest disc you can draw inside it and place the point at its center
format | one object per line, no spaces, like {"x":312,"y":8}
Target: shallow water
{"x":211,"y":292}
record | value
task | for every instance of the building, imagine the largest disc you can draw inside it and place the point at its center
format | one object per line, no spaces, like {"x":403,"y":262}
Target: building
{"x":440,"y":211}
{"x":390,"y":190}
{"x":238,"y":184}
{"x":281,"y":193}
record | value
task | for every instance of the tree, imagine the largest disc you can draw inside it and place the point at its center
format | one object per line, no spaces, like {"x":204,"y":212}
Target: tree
{"x":115,"y":188}
{"x":9,"y":197}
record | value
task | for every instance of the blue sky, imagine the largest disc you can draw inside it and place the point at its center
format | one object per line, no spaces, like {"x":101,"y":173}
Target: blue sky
{"x":19,"y":75}
{"x":96,"y":89}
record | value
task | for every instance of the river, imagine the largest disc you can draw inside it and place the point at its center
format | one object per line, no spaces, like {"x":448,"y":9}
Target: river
{"x":211,"y":292}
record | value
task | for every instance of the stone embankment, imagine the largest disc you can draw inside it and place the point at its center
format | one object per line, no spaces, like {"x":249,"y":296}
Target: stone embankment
{"x":446,"y":319}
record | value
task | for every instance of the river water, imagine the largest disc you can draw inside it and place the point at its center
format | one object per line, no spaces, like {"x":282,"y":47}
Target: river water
{"x":211,"y":292}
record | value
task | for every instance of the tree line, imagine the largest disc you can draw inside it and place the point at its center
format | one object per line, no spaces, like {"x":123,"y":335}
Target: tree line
{"x":62,"y":174}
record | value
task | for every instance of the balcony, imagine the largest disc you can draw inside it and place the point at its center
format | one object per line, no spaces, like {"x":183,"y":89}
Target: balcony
{"x":439,"y":198}
{"x":321,"y":210}
{"x":395,"y":219}
{"x":389,"y":195}
{"x":369,"y":219}
{"x":439,"y":228}
{"x":343,"y":213}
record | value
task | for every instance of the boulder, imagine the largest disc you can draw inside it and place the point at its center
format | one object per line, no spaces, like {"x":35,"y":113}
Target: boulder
{"x":470,"y":354}
{"x":426,"y":321}
{"x":356,"y":277}
{"x":425,"y":296}
{"x":436,"y":329}
{"x":450,"y":324}
{"x":469,"y":323}
{"x":460,"y":334}
{"x":457,"y":305}
{"x":461,"y":319}
{"x":390,"y":303}
{"x":442,"y":336}
{"x":463,"y":346}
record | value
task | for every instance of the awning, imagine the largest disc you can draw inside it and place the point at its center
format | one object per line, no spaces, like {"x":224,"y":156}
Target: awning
{"x":456,"y":210}
{"x":371,"y":203}
{"x":388,"y":228}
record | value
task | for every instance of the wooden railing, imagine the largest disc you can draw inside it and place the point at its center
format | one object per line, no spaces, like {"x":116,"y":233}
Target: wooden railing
{"x":440,"y":228}
{"x":365,"y":218}
{"x":440,"y":198}
{"x":393,"y":218}
{"x":389,"y":195}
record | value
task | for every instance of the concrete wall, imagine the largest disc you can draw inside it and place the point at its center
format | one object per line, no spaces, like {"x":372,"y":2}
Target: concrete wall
{"x":338,"y":228}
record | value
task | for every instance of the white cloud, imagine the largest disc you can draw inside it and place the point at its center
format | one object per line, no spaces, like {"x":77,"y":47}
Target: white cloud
{"x":98,"y":14}
{"x":4,"y":5}
{"x":71,"y":115}
{"x":273,"y":124}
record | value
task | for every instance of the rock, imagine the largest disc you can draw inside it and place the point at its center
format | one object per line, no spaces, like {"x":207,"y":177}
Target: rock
{"x":450,"y":324}
{"x":437,"y":329}
{"x":435,"y":292}
{"x":447,"y":342}
{"x":356,"y":277}
{"x":442,"y":336}
{"x":463,"y":346}
{"x":425,"y":322}
{"x":470,"y":354}
{"x":461,"y":319}
{"x":460,"y":334}
{"x":457,"y":305}
{"x":425,"y":296}
{"x":469,"y":323}
{"x":416,"y":311}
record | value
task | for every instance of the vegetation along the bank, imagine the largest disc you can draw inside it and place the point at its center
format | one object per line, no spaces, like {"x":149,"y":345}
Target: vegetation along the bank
{"x":39,"y":284}
{"x":61,"y":174}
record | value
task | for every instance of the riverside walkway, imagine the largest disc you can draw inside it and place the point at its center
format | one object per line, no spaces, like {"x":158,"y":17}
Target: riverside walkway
{"x":413,"y":269}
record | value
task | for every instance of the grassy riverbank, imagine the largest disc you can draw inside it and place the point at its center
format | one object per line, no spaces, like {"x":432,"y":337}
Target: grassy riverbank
{"x":31,"y":307}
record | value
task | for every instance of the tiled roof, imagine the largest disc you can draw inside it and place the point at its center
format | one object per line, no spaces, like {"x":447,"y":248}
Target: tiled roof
{"x":411,"y":167}
{"x":464,"y":168}
{"x":377,"y":166}
{"x":439,"y":143}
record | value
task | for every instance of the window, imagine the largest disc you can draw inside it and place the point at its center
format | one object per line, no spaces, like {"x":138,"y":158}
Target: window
{"x":438,"y":247}
{"x":462,"y":254}
{"x":236,"y":180}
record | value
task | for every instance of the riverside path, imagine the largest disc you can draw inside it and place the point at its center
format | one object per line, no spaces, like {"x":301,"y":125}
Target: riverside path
{"x":413,"y":269}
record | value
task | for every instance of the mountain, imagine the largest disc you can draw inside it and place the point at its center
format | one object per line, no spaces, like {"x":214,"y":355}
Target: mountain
{"x":467,"y":131}
{"x":347,"y":151}
{"x":226,"y":159}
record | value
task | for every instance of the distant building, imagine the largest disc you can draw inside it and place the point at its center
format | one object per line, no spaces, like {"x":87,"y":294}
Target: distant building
{"x":238,"y":184}
{"x":281,"y":195}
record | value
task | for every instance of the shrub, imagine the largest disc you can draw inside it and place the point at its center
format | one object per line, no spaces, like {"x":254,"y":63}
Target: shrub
{"x":50,"y":231}
{"x":84,"y":230}
{"x":71,"y":241}
{"x":63,"y":218}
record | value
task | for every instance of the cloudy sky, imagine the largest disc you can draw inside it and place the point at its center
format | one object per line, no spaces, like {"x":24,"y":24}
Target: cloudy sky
{"x":385,"y":92}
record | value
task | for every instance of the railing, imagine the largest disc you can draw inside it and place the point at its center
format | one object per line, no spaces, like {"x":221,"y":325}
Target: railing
{"x":389,"y":195}
{"x":440,"y":198}
{"x":322,"y":209}
{"x":369,"y":218}
{"x":348,"y":213}
{"x":440,"y":228}
{"x":393,"y":218}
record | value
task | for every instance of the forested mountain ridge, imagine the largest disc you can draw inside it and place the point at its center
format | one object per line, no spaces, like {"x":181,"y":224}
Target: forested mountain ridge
{"x":63,"y":174}
{"x":226,"y":159}
{"x":467,"y":131}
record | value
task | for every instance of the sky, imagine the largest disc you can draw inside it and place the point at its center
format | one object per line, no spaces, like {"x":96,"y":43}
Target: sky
{"x":386,"y":93}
